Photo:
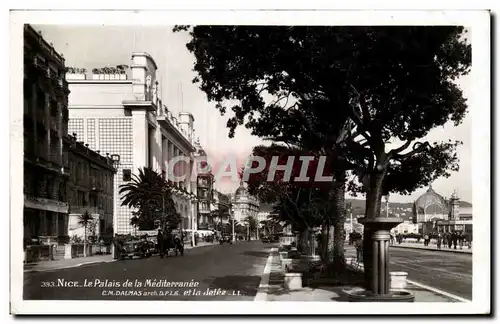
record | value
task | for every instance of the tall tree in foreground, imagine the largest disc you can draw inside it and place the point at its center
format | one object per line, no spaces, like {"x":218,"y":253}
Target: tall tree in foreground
{"x":380,"y":86}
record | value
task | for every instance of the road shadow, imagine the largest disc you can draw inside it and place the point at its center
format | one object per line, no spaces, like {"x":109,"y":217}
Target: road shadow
{"x":246,"y":285}
{"x":258,"y":254}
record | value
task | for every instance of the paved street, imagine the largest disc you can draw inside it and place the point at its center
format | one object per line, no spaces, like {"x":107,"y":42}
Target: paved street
{"x":447,"y":271}
{"x":227,"y":272}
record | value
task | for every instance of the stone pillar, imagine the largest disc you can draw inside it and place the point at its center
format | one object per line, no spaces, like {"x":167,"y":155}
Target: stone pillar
{"x":152,"y":144}
{"x":380,"y":269}
{"x":164,"y":152}
{"x":377,"y":236}
{"x":67,"y":252}
{"x":140,"y":139}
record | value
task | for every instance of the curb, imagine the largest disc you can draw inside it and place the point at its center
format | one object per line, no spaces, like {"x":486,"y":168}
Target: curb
{"x":361,"y":268}
{"x":431,"y":249}
{"x":439,"y":291}
{"x":264,"y":282}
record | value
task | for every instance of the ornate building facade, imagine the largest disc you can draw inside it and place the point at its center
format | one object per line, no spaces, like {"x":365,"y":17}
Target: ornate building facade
{"x":119,"y":111}
{"x":434,"y":213}
{"x":244,"y":205}
{"x":45,"y":125}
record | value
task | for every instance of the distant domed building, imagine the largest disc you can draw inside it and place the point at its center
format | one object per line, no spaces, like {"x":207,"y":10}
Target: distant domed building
{"x":434,"y":213}
{"x":244,"y":204}
{"x":430,"y":207}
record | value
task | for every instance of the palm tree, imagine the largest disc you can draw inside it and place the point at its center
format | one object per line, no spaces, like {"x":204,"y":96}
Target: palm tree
{"x":84,"y":220}
{"x":252,"y":224}
{"x":134,"y":222}
{"x":151,"y":196}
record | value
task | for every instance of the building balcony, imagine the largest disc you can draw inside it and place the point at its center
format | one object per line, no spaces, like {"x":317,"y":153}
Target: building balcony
{"x":82,"y":209}
{"x":45,"y":204}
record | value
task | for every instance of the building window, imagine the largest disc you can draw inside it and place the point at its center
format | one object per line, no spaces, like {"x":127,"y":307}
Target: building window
{"x":127,"y":175}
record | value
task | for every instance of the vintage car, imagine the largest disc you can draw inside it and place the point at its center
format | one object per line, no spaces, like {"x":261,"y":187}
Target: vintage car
{"x":225,"y":238}
{"x":136,"y":248}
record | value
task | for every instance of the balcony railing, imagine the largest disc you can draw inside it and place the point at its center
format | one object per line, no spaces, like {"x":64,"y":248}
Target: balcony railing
{"x":83,"y":209}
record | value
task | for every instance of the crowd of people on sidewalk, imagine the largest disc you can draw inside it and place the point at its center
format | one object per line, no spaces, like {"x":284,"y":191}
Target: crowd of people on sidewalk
{"x":451,"y":240}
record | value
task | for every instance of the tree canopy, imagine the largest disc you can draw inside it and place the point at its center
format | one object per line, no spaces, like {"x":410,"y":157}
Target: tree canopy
{"x":346,"y":91}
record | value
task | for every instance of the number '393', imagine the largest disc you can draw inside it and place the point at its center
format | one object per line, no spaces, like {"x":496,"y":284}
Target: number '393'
{"x":48,"y":284}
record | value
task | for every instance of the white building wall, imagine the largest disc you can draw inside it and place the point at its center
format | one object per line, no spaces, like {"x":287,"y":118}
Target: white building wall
{"x":98,"y":117}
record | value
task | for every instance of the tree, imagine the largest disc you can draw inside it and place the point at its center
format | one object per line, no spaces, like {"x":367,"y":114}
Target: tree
{"x":134,"y":222}
{"x":151,"y":197}
{"x":85,"y":220}
{"x":252,"y":224}
{"x":350,"y":90}
{"x":303,"y":204}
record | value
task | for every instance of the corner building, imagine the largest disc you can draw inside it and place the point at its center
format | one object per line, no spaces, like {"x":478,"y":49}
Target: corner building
{"x":122,"y":114}
{"x":244,"y":204}
{"x":45,"y":123}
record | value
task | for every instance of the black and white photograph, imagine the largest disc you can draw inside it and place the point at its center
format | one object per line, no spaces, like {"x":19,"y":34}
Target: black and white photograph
{"x":293,"y":165}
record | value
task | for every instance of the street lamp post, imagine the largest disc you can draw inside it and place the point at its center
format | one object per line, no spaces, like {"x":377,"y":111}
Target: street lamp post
{"x":350,"y":212}
{"x":115,"y":158}
{"x":387,"y":206}
{"x":232,"y":225}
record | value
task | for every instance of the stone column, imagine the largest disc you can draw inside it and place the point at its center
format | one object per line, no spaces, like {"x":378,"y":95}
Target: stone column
{"x":140,"y":139}
{"x":380,"y":252}
{"x":379,"y":231}
{"x":164,"y":152}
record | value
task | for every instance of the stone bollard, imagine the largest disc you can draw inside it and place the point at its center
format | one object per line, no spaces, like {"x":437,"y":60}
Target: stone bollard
{"x":67,"y":252}
{"x":293,"y":281}
{"x":398,"y":280}
{"x":285,"y":263}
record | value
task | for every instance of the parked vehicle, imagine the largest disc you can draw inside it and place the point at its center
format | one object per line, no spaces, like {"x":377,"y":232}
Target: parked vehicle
{"x":270,"y":238}
{"x":136,"y":248}
{"x":152,"y":247}
{"x":170,"y":242}
{"x":225,"y":238}
{"x":265,"y":239}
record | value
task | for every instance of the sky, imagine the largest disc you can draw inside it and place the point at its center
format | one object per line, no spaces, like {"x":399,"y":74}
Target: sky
{"x":98,"y":46}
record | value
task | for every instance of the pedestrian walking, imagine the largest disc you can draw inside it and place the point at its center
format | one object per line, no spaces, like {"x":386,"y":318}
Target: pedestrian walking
{"x":358,"y":244}
{"x":161,"y":242}
{"x":449,"y":238}
{"x":439,"y":239}
{"x":454,"y":239}
{"x":469,"y":240}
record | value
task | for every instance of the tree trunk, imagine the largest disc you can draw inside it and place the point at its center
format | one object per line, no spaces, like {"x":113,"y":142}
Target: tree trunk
{"x":304,"y":242}
{"x":338,"y":196}
{"x":373,"y":199}
{"x":325,"y":231}
{"x":85,"y":241}
{"x":331,"y":238}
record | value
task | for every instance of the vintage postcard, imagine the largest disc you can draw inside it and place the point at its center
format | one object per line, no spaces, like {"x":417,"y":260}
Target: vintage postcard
{"x":271,"y":158}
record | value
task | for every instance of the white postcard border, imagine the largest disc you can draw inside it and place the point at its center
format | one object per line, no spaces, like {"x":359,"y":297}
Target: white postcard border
{"x":477,"y":21}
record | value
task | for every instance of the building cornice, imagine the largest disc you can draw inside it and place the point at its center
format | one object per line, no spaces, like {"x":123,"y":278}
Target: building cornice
{"x":44,"y":45}
{"x":76,"y":81}
{"x":147,"y":55}
{"x":165,"y":122}
{"x":139,"y":104}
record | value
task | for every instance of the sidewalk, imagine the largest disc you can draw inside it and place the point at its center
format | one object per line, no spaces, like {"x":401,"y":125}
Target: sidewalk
{"x":275,"y":291}
{"x":43,"y":266}
{"x":431,"y":247}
